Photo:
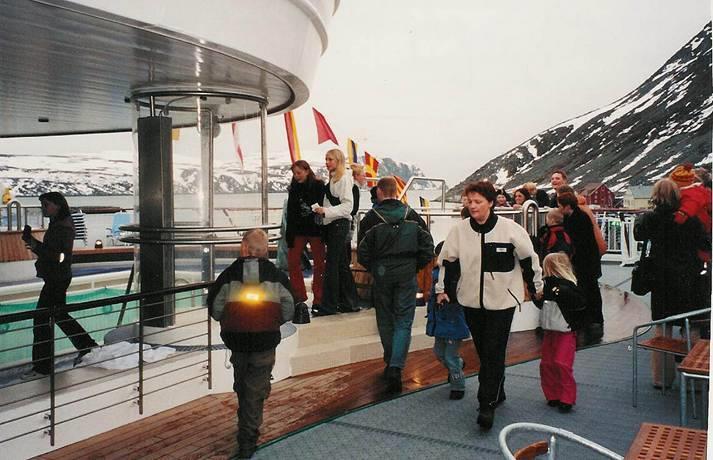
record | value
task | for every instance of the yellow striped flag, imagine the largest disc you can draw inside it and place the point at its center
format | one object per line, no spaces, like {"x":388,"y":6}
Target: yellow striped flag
{"x":292,"y":141}
{"x":371,"y":165}
{"x":424,"y":202}
{"x":400,"y":186}
{"x":351,"y":152}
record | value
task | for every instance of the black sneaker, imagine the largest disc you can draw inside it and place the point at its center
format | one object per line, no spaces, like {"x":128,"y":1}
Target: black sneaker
{"x":486,"y":417}
{"x":316,"y":312}
{"x":565,"y":408}
{"x":456,"y":394}
{"x":553,"y":402}
{"x":393,"y":380}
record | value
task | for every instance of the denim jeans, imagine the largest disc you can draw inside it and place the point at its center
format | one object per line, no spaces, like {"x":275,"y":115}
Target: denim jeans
{"x":395,"y":304}
{"x":448,"y":353}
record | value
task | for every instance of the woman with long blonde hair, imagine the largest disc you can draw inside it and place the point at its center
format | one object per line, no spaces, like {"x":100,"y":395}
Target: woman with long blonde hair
{"x":339,"y":289}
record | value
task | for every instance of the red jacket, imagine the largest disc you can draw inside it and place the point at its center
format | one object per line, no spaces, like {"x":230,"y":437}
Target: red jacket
{"x":696,"y":202}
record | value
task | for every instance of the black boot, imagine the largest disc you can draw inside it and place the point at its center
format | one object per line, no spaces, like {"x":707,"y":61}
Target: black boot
{"x":301,"y":314}
{"x":393,"y":380}
{"x":486,"y":417}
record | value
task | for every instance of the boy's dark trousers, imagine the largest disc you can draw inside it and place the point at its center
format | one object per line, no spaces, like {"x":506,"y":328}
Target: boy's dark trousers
{"x":251,"y":371}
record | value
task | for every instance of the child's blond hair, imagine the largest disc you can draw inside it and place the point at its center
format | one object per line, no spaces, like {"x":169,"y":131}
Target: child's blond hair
{"x":554,"y":217}
{"x":558,"y":265}
{"x":255,"y":241}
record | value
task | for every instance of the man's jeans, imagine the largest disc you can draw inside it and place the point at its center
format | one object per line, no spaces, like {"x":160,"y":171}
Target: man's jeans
{"x":395,"y":304}
{"x":448,"y":353}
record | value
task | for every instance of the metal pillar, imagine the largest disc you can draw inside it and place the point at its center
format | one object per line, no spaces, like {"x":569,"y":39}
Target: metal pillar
{"x":206,"y":126}
{"x":263,"y":164}
{"x":156,"y":262}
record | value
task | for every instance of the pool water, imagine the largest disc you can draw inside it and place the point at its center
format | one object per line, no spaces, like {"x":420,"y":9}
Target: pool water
{"x":96,"y":321}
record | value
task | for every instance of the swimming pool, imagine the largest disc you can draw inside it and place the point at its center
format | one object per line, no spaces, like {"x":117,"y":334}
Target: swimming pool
{"x":16,"y":338}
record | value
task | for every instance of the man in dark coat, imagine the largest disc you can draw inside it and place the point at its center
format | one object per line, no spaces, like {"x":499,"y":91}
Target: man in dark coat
{"x":586,"y":259}
{"x":394,"y":244}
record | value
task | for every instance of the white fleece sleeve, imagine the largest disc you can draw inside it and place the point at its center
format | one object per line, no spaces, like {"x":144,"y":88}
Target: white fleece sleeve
{"x":341,"y":189}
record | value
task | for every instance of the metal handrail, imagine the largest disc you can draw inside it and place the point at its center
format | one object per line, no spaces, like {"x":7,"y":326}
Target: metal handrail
{"x":49,"y":313}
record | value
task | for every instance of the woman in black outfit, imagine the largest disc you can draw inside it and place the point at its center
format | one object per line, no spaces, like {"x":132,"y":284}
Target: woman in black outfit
{"x":54,"y":266}
{"x":305,"y":190}
{"x":674,"y":249}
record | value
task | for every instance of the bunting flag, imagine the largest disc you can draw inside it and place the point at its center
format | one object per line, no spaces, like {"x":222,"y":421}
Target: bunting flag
{"x":371,"y":165}
{"x":351,"y":152}
{"x":292,"y":140}
{"x":400,"y":186}
{"x":424,"y":202}
{"x":324,"y":132}
{"x":236,"y":142}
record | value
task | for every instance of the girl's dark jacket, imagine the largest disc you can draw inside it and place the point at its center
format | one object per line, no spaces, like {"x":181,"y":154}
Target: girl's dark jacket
{"x":569,"y":298}
{"x":300,"y":218}
{"x":54,"y":252}
{"x":674,"y":249}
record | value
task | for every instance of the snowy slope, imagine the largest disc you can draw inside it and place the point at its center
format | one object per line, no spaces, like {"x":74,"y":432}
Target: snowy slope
{"x":634,"y":140}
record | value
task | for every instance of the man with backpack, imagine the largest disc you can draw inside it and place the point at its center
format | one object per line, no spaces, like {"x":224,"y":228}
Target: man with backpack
{"x":394,"y":244}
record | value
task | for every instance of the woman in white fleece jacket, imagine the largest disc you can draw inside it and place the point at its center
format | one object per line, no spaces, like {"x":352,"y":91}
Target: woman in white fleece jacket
{"x":339,"y":292}
{"x":497,"y":262}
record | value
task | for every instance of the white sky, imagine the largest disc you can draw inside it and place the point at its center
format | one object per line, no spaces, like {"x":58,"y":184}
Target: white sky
{"x":451,"y":85}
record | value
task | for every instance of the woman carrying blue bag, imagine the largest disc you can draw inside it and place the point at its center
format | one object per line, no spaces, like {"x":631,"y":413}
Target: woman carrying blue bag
{"x":446,"y":322}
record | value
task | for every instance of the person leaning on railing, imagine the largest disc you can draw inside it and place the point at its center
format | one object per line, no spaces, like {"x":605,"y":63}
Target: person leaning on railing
{"x":54,"y":266}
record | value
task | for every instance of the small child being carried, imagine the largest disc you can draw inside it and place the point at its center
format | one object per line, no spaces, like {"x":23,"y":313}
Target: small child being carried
{"x":563,"y":312}
{"x":446,"y":322}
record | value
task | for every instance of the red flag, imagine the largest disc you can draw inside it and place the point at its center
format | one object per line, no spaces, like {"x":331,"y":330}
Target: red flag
{"x":236,"y":142}
{"x":292,"y":140}
{"x":324,"y":132}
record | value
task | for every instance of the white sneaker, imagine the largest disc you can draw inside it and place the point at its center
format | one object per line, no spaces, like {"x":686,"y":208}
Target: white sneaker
{"x":31,"y":375}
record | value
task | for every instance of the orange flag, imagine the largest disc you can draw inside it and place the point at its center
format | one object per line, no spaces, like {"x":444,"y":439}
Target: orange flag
{"x":292,"y":140}
{"x":400,"y":186}
{"x":324,"y":132}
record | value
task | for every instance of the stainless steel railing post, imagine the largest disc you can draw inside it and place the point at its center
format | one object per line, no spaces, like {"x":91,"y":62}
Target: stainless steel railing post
{"x":53,"y":389}
{"x":141,"y":358}
{"x":210,"y":350}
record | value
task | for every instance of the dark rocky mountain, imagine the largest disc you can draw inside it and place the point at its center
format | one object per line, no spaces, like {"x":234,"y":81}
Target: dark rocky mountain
{"x":632,"y":141}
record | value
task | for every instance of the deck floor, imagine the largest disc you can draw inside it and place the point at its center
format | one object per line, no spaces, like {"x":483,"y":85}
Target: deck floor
{"x":206,"y":428}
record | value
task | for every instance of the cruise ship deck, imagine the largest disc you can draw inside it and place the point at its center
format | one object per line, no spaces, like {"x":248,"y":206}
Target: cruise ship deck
{"x":305,"y":414}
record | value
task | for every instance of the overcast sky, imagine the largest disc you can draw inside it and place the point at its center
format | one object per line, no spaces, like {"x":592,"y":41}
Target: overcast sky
{"x":451,"y":85}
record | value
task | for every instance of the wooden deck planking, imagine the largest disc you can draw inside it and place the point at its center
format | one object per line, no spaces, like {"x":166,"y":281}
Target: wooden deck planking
{"x":206,"y":427}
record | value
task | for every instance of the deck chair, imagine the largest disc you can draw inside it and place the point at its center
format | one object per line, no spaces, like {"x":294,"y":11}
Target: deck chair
{"x":80,"y":226}
{"x":117,"y":220}
{"x":663,"y":344}
{"x":549,"y":447}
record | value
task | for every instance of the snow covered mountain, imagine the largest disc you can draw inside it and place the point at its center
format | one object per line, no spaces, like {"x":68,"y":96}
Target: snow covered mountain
{"x":112,"y":173}
{"x":632,"y":141}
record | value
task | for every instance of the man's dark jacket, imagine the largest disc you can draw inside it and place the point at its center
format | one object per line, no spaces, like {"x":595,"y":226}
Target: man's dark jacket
{"x":394,"y":239}
{"x":586,"y":259}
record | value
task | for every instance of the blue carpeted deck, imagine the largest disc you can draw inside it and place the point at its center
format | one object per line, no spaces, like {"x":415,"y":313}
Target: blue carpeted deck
{"x":427,"y":424}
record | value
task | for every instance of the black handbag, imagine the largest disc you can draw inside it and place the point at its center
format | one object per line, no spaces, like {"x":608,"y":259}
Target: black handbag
{"x":643,"y":274}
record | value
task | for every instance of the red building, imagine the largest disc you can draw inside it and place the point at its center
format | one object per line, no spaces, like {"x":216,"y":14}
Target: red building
{"x":598,"y":194}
